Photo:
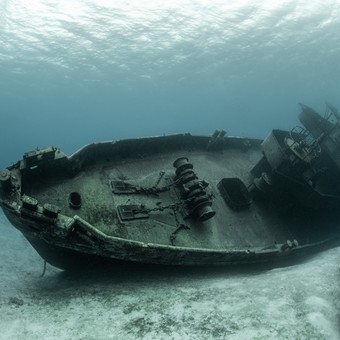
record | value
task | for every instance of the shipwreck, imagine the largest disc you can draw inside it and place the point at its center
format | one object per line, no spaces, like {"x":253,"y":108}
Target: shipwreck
{"x":182,"y":199}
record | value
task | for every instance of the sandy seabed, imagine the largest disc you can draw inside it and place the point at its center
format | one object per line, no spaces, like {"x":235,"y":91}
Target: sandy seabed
{"x":301,"y":301}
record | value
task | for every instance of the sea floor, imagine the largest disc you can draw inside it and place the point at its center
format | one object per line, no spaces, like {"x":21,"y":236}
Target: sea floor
{"x":301,"y":301}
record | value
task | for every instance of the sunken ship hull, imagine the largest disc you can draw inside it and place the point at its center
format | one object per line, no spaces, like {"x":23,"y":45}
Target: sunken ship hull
{"x":182,"y":199}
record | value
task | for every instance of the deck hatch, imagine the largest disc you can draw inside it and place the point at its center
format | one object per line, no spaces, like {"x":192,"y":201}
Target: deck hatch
{"x":121,"y":187}
{"x":235,"y":193}
{"x":132,"y":212}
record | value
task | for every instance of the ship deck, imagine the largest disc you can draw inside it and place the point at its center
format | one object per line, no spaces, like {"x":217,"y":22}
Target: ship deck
{"x":263,"y":224}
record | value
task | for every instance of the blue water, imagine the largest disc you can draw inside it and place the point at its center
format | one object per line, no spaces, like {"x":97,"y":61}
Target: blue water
{"x":75,"y":72}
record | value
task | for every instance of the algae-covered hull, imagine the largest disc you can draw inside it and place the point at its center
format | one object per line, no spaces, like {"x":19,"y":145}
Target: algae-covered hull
{"x":181,"y":199}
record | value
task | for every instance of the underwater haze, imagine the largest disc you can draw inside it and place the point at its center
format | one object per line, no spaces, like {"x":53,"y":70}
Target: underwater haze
{"x":74,"y":72}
